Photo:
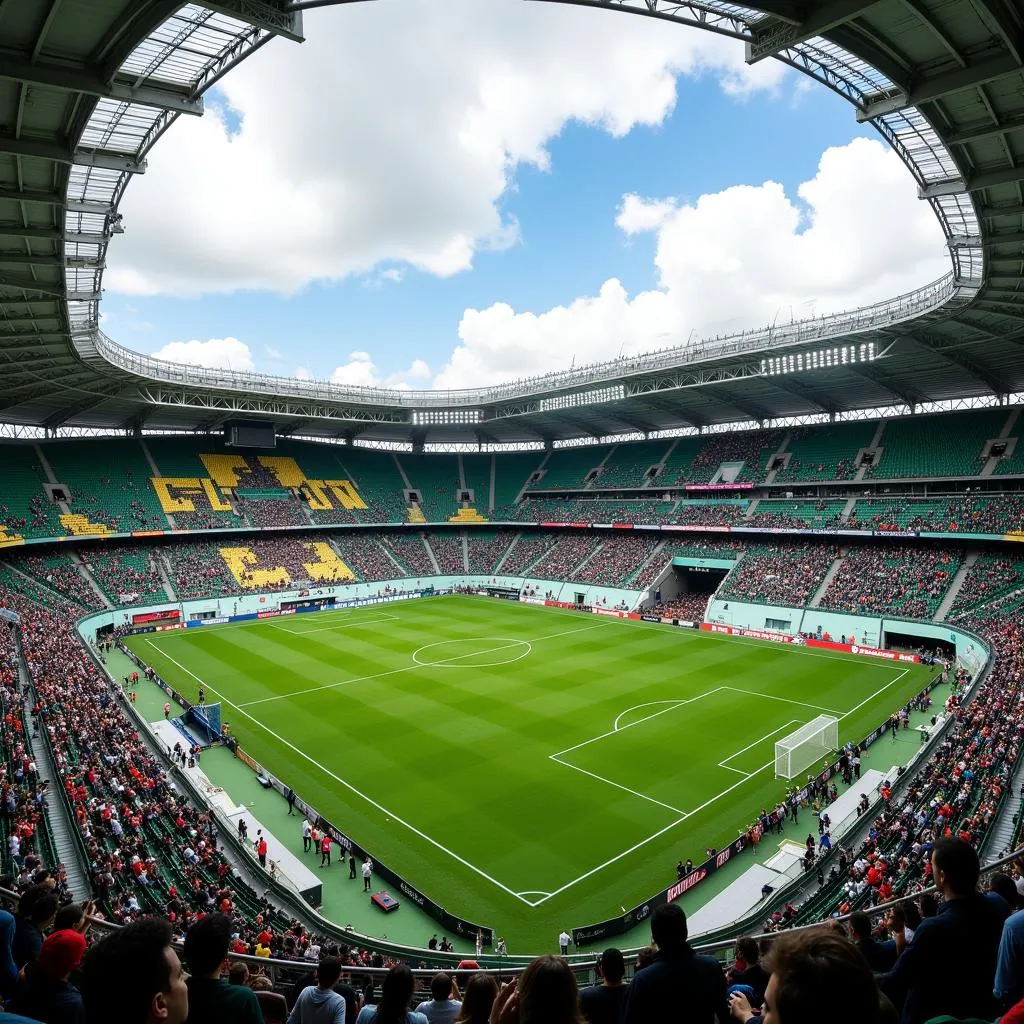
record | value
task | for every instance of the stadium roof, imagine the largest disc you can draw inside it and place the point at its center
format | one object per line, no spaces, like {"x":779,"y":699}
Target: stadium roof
{"x":87,"y":89}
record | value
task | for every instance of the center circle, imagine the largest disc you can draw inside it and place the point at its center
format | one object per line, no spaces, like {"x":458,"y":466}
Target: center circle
{"x":472,"y":652}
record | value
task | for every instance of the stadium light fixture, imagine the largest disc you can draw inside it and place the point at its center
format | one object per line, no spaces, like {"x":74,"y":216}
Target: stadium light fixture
{"x":615,"y":393}
{"x":820,"y":359}
{"x":438,"y":417}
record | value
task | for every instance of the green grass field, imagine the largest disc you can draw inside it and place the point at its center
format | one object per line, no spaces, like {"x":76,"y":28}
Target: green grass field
{"x":529,"y":768}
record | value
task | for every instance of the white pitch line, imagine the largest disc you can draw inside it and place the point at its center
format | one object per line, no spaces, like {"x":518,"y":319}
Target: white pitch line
{"x":785,"y":700}
{"x":895,"y":679}
{"x":408,"y":668}
{"x":639,"y":721}
{"x":625,"y":789}
{"x":352,"y":789}
{"x":722,"y":764}
{"x":330,"y":629}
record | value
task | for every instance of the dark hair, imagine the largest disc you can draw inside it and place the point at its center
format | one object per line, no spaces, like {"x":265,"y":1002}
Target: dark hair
{"x":328,"y":971}
{"x":1004,"y":885}
{"x":440,"y":986}
{"x":668,"y":928}
{"x":481,"y":991}
{"x":206,"y":944}
{"x":238,"y":973}
{"x":958,"y":863}
{"x":548,"y":993}
{"x":860,"y":925}
{"x":613,"y":965}
{"x":929,"y":904}
{"x":810,"y":967}
{"x":125,"y":970}
{"x":911,"y":915}
{"x":747,"y":948}
{"x":37,"y":904}
{"x":395,"y":993}
{"x":645,"y":957}
{"x":68,"y":917}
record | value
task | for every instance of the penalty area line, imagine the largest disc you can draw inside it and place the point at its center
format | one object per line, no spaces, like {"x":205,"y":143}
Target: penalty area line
{"x":352,"y":789}
{"x":625,"y":789}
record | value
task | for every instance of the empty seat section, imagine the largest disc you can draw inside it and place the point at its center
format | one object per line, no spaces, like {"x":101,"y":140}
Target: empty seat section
{"x":436,"y":477}
{"x":25,"y":510}
{"x":628,"y":463}
{"x":477,"y":472}
{"x":944,"y":445}
{"x":679,"y":467}
{"x":826,"y":452}
{"x":568,"y":467}
{"x":511,"y":471}
{"x":378,"y":482}
{"x":109,"y":483}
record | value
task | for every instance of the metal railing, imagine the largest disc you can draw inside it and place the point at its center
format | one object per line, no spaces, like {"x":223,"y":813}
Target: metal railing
{"x":772,"y":338}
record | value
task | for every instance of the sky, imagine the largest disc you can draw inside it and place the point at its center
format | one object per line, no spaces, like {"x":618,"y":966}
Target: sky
{"x":450,"y":195}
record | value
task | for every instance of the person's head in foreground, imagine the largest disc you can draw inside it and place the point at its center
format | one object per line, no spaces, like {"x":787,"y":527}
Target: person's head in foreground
{"x":810,"y":971}
{"x":669,"y":930}
{"x":546,"y":993}
{"x":206,"y":945}
{"x":134,"y":976}
{"x":478,"y":1000}
{"x":395,"y":993}
{"x":955,"y":868}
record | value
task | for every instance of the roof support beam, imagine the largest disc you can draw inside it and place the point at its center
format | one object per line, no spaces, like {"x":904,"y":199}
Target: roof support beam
{"x":1009,"y":29}
{"x":71,"y":79}
{"x":61,"y":154}
{"x":772,"y":35}
{"x":28,"y":284}
{"x":31,"y":196}
{"x":262,"y":14}
{"x":750,"y":409}
{"x":928,"y":88}
{"x":1006,"y":126}
{"x":22,"y":260}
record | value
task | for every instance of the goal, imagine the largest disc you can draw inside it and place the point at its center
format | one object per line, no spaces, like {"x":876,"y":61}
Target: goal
{"x":810,"y":743}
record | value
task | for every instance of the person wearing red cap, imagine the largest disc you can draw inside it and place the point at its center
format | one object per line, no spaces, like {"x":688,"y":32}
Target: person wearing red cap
{"x":47,"y":993}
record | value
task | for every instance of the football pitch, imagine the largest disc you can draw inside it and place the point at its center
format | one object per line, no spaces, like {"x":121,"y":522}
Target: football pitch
{"x":527,"y":768}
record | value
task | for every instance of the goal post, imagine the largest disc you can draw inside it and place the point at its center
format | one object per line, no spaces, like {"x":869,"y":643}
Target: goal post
{"x":808,"y":744}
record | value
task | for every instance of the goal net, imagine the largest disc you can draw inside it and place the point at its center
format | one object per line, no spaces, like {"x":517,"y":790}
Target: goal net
{"x":810,"y":743}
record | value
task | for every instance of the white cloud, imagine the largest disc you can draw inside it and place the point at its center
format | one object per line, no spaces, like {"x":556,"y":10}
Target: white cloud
{"x":391,"y":136}
{"x":361,"y":370}
{"x":272,"y":353}
{"x":217,"y":353}
{"x":743,"y":257}
{"x":301,"y":373}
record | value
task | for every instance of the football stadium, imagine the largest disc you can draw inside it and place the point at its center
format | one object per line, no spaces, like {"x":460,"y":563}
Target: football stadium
{"x":572,"y":696}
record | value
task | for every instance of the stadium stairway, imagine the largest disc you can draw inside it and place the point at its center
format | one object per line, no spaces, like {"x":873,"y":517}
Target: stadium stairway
{"x":781,"y":450}
{"x":954,"y":588}
{"x":1004,"y":831}
{"x":68,"y":850}
{"x":431,"y":556}
{"x":826,"y":582}
{"x":508,"y":551}
{"x":83,"y":570}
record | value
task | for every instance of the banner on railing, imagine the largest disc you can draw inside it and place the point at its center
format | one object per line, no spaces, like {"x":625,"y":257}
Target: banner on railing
{"x":829,"y":645}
